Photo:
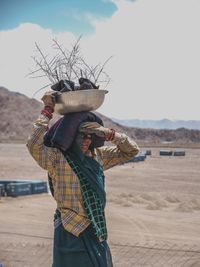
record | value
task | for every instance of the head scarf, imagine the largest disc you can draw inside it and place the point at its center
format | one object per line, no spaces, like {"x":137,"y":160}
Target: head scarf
{"x":62,"y":134}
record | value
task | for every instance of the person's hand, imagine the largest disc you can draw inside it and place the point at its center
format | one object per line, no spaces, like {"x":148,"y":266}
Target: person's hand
{"x":49,"y":99}
{"x":99,"y":130}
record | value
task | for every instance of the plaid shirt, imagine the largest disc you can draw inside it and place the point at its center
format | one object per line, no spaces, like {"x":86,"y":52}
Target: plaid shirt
{"x":67,"y":192}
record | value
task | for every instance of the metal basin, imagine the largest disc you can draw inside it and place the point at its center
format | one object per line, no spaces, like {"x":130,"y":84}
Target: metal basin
{"x":81,"y":100}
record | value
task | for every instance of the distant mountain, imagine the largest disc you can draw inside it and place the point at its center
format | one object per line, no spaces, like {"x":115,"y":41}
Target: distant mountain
{"x":161,"y":124}
{"x":18,"y":112}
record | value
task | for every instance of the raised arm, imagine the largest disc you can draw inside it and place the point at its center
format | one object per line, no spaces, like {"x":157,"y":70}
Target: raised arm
{"x":43,"y":155}
{"x":123,"y":150}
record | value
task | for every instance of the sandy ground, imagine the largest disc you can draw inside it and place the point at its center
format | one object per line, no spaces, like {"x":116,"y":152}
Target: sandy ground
{"x":153,"y":207}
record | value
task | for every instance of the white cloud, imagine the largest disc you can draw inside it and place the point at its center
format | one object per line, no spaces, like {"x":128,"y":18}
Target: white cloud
{"x":17,"y":46}
{"x":155,"y":69}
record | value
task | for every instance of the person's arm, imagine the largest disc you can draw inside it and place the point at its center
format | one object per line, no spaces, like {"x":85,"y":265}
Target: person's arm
{"x":123,"y":150}
{"x":43,"y":155}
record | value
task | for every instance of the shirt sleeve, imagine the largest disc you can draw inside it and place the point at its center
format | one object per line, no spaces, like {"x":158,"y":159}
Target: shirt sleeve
{"x":43,"y":155}
{"x":123,"y":150}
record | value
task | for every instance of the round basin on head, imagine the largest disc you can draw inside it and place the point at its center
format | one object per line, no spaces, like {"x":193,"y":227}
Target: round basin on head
{"x":80,"y":100}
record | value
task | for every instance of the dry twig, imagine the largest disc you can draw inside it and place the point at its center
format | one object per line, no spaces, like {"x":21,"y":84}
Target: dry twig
{"x":67,"y":65}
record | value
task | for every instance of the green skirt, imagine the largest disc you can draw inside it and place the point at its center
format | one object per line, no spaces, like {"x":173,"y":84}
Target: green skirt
{"x":83,"y":251}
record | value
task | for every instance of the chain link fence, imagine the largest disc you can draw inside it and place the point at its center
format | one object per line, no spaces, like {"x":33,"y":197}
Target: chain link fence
{"x":157,"y":255}
{"x":26,"y":254}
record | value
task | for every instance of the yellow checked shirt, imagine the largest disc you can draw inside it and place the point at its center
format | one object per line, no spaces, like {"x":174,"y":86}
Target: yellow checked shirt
{"x":66,"y":185}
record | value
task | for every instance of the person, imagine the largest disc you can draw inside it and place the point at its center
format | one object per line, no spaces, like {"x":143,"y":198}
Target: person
{"x":76,"y":172}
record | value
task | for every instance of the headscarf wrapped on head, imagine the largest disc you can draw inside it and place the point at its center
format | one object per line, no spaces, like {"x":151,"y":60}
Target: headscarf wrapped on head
{"x":62,"y":134}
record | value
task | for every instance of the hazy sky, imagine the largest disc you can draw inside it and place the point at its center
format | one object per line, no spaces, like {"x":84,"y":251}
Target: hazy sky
{"x":155,"y":43}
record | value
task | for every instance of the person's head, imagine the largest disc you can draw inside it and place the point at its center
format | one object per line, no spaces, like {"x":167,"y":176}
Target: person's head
{"x":83,"y":141}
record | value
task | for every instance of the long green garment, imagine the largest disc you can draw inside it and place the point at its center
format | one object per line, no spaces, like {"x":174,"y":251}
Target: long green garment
{"x":91,"y":177}
{"x":83,"y":251}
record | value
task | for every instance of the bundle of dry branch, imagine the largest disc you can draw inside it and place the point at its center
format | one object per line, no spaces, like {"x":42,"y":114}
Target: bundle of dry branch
{"x":68,"y":70}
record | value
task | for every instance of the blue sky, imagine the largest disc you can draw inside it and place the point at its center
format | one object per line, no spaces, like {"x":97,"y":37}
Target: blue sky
{"x":58,"y":15}
{"x":155,"y":46}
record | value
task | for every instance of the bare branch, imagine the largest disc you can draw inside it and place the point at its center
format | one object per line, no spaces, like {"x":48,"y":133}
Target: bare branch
{"x":32,"y":72}
{"x":38,"y":76}
{"x":44,"y":58}
{"x":102,"y":68}
{"x":41,"y":89}
{"x":67,"y":64}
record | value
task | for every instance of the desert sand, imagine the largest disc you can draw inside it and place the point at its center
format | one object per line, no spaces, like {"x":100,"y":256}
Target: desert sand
{"x":153,"y":212}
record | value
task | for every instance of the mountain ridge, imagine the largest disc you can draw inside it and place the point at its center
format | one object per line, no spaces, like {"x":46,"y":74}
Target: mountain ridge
{"x":160,"y":124}
{"x":18,"y":112}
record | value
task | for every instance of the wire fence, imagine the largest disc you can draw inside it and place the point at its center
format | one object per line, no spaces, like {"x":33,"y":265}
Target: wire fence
{"x":164,"y":255}
{"x":26,"y":254}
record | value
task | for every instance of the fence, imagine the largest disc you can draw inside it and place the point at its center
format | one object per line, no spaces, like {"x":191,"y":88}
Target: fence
{"x":164,"y":255}
{"x":26,"y":254}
